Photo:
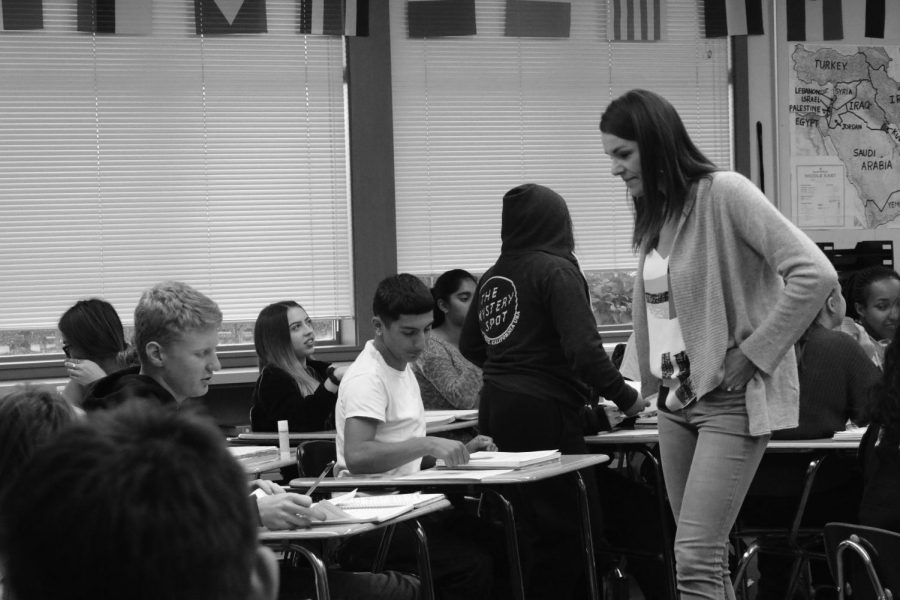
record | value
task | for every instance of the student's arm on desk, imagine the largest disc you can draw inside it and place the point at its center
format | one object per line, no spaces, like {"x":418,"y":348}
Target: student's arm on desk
{"x":283,"y":510}
{"x":365,"y":455}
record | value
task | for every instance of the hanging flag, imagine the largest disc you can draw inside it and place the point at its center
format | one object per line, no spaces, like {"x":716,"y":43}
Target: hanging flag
{"x":17,"y":15}
{"x":814,"y":20}
{"x":537,"y":18}
{"x":732,"y":17}
{"x":334,"y":17}
{"x":440,"y":18}
{"x":882,"y":16}
{"x":635,"y":20}
{"x":115,"y":16}
{"x":230,"y":16}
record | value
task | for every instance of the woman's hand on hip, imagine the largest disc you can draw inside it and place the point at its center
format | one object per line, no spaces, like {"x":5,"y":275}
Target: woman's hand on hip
{"x":738,"y":370}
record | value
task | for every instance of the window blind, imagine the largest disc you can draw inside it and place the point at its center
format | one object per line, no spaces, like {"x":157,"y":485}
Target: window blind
{"x":477,"y":115}
{"x":216,"y":160}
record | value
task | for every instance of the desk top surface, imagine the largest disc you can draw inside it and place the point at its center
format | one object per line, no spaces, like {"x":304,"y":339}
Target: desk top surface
{"x":651,"y":436}
{"x":321,"y":532}
{"x":566,"y":464}
{"x":271,"y":437}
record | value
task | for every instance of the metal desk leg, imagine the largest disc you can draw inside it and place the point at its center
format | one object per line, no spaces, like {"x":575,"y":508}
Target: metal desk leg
{"x":383,"y":547}
{"x":424,"y":559}
{"x":321,"y":572}
{"x":512,"y":545}
{"x":586,"y":537}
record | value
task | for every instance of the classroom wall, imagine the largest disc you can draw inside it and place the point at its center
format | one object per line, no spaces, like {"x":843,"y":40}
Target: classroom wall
{"x":769,"y":94}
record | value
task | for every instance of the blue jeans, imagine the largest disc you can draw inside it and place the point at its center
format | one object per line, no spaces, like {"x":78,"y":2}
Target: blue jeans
{"x":708,"y":460}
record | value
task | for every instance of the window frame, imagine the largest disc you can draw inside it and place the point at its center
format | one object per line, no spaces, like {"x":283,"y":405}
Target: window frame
{"x":371,"y":175}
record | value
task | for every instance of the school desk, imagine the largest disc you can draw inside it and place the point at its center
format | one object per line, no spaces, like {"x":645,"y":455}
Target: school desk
{"x":643,"y":441}
{"x":257,"y":466}
{"x":271,"y":437}
{"x":567,"y":465}
{"x":308,"y":541}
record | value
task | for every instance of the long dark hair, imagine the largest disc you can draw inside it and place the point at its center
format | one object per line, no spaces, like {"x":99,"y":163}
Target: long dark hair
{"x":444,"y":287}
{"x":670,"y":162}
{"x":93,"y":326}
{"x":884,"y":408}
{"x":272,"y":340}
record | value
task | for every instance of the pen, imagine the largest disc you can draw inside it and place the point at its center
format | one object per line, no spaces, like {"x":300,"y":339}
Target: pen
{"x":319,"y":479}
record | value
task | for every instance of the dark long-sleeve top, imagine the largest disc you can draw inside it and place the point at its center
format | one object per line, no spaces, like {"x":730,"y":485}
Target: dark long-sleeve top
{"x":530,"y":326}
{"x":835,"y":379}
{"x":277,"y":397}
{"x":880,"y":461}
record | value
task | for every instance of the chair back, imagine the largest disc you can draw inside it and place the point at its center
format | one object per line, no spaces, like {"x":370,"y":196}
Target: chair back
{"x":864,"y":561}
{"x":314,"y":455}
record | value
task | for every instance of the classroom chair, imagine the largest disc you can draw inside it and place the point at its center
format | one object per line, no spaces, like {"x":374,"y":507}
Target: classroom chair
{"x":314,"y":455}
{"x":801,"y":544}
{"x":864,"y":561}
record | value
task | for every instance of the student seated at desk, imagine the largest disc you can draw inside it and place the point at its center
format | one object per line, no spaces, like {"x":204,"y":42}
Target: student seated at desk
{"x":446,"y":379}
{"x":93,"y":341}
{"x":176,"y":331}
{"x":873,"y":312}
{"x":879,"y":450}
{"x":140,"y":503}
{"x":291,"y":386}
{"x":836,"y":379}
{"x":381,"y":429}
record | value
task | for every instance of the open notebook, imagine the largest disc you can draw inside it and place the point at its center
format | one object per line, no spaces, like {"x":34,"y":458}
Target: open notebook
{"x":352,"y":508}
{"x":505,"y":460}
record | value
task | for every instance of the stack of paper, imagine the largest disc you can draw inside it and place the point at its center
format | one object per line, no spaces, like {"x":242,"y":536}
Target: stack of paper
{"x":350,"y":508}
{"x":855,"y":433}
{"x":457,"y":414}
{"x":506,"y":460}
{"x":254,"y":452}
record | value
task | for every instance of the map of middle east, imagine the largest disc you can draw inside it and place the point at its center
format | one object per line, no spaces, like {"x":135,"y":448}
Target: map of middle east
{"x":845,"y":104}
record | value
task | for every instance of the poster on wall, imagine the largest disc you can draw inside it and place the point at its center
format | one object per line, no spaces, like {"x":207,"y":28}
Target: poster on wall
{"x":844,"y":111}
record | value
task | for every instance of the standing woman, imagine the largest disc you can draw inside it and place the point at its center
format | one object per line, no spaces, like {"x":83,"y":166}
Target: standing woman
{"x":446,"y":379}
{"x":291,"y":385}
{"x":726,"y":285}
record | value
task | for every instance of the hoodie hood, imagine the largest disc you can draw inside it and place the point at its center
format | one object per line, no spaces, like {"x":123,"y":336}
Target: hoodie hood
{"x":535,"y":218}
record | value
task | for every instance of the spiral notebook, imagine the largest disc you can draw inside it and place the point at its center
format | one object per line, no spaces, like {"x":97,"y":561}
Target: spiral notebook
{"x":353,"y":508}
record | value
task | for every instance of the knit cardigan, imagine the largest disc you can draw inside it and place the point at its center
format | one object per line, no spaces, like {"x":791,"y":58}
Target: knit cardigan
{"x":741,"y":275}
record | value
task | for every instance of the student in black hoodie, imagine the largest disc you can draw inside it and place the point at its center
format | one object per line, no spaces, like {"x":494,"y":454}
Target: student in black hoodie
{"x":532,"y":331}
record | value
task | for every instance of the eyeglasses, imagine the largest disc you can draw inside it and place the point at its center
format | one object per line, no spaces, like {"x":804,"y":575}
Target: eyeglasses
{"x":65,"y":349}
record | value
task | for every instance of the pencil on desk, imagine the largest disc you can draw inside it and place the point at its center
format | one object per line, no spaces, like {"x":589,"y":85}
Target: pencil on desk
{"x":319,"y":479}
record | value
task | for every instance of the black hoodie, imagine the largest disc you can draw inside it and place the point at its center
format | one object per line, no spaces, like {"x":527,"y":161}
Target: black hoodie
{"x":530,"y":326}
{"x":116,"y":388}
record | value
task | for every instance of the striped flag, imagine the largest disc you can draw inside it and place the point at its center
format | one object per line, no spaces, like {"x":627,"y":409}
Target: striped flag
{"x":732,"y":17}
{"x":440,"y":18}
{"x":882,"y":16}
{"x":17,"y":15}
{"x":115,"y":16}
{"x":814,"y":20}
{"x":334,"y":17}
{"x":537,"y":18}
{"x":214,"y":17}
{"x":635,"y":20}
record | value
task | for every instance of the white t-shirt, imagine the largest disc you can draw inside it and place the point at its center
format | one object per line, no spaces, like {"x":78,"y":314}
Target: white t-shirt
{"x":373,"y":389}
{"x":668,"y":355}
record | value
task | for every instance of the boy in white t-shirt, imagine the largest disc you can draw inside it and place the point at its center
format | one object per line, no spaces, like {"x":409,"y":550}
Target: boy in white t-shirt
{"x":379,"y":415}
{"x":380,"y":422}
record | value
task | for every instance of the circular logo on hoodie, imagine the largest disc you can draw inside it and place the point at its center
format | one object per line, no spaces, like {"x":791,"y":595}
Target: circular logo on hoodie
{"x":498,"y":309}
